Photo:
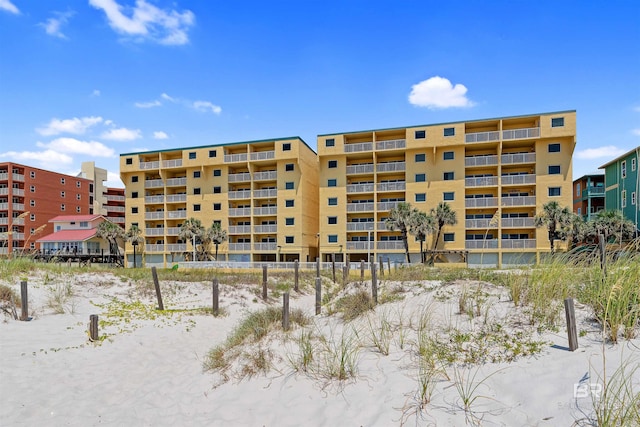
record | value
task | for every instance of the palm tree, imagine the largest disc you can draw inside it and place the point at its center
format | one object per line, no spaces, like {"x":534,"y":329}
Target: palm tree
{"x":400,"y":219}
{"x":576,"y":230}
{"x":112,"y":233}
{"x":421,"y":226}
{"x":442,"y":215}
{"x":134,"y":236}
{"x":611,"y":224}
{"x":190,"y":230}
{"x":219,"y":236}
{"x":556,"y":219}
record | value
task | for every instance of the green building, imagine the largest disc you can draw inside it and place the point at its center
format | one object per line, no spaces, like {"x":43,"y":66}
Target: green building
{"x":622,"y":185}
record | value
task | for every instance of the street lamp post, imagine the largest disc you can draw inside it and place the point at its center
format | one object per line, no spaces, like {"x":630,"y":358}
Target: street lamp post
{"x":135,"y":245}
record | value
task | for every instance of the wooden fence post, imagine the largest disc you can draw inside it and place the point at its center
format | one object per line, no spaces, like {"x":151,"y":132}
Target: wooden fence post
{"x":345,"y":275}
{"x":318,"y":294}
{"x":93,"y":327}
{"x":317,"y":267}
{"x":389,"y":265}
{"x":285,"y":311}
{"x":296,"y":270}
{"x":361,"y":269}
{"x":157,"y":285}
{"x":571,"y":323}
{"x":216,"y":297}
{"x":374,"y":284}
{"x":264,"y":282}
{"x":381,"y":267}
{"x":602,"y":245}
{"x":24,"y":299}
{"x":333,"y":266}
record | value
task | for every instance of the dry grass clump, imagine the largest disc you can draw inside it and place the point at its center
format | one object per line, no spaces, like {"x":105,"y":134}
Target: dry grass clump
{"x":353,"y":305}
{"x":9,"y":300}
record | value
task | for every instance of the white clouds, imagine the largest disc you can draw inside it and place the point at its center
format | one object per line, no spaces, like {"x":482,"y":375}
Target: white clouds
{"x":206,"y":106}
{"x":113,"y":180}
{"x":149,"y":104}
{"x":636,"y":131}
{"x":75,"y":146}
{"x":52,"y":26}
{"x":95,"y":92}
{"x":160,"y":135}
{"x":45,"y":158}
{"x":167,"y":97}
{"x":607,"y":151}
{"x":9,"y":7}
{"x":122,"y":134}
{"x":438,"y":92}
{"x":146,"y":21}
{"x":75,"y":126}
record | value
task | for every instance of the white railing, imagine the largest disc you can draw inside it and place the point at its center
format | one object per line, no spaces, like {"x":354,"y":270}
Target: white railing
{"x":391,"y":186}
{"x":239,"y":212}
{"x":265,"y":246}
{"x":479,"y":223}
{"x":4,"y":191}
{"x":385,"y":206}
{"x":269,"y":210}
{"x":115,"y":208}
{"x":176,"y":182}
{"x":359,"y":169}
{"x":17,"y":236}
{"x":359,"y":207}
{"x":381,"y":226}
{"x":518,"y":243}
{"x":176,"y":198}
{"x":360,"y":188}
{"x":153,"y":183}
{"x":485,"y":202}
{"x":391,"y":167}
{"x":14,"y":191}
{"x":517,"y":222}
{"x":4,"y":176}
{"x":17,"y":177}
{"x":177,"y":247}
{"x":239,"y":177}
{"x":360,"y":226}
{"x":518,"y":179}
{"x":154,"y":199}
{"x":114,"y":198}
{"x":484,"y":181}
{"x":391,"y":144}
{"x":362,"y":146}
{"x":360,"y":246}
{"x":173,"y":231}
{"x":240,"y":194}
{"x":521,"y":133}
{"x":239,"y":229}
{"x":267,"y":228}
{"x":4,"y":206}
{"x":518,"y":158}
{"x":158,"y":231}
{"x":519,"y":201}
{"x":172,"y":163}
{"x":243,"y":247}
{"x":265,"y":176}
{"x":4,"y":221}
{"x":271,"y":192}
{"x":481,"y":160}
{"x":150,"y":165}
{"x":154,"y":215}
{"x":232,"y":158}
{"x":481,"y":244}
{"x":154,"y":248}
{"x":116,"y":219}
{"x":390,"y":245}
{"x":176,"y":214}
{"x":482,"y":136}
{"x":18,"y":206}
{"x":263,"y":155}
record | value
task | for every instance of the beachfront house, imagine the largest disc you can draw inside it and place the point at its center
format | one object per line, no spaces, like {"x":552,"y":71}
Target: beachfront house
{"x":76,"y":234}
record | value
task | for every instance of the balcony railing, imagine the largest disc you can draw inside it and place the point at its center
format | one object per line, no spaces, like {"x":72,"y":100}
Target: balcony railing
{"x":4,"y":176}
{"x":265,"y":176}
{"x":150,"y":165}
{"x":153,"y":183}
{"x":359,"y":207}
{"x":490,"y":160}
{"x":14,"y":192}
{"x":385,"y":206}
{"x":482,"y":136}
{"x":480,"y":223}
{"x":268,"y":228}
{"x":154,"y":248}
{"x":172,"y":163}
{"x":234,"y":158}
{"x":176,"y":182}
{"x":18,"y":206}
{"x":239,"y":229}
{"x":239,"y":247}
{"x":519,"y":201}
{"x":391,"y":186}
{"x":263,"y":155}
{"x":593,"y":192}
{"x":360,"y":188}
{"x":154,"y":199}
{"x":176,"y":214}
{"x":359,"y":169}
{"x":518,"y":179}
{"x":360,"y":226}
{"x":391,"y":144}
{"x":4,"y":206}
{"x":240,"y":177}
{"x":176,"y":247}
{"x":116,"y":219}
{"x":271,"y":192}
{"x":176,"y":198}
{"x":381,"y":226}
{"x":517,"y":158}
{"x":481,"y":244}
{"x":521,"y":133}
{"x":518,"y":243}
{"x":158,"y":231}
{"x":362,"y":146}
{"x":485,"y":202}
{"x":391,"y":245}
{"x":4,"y":221}
{"x":235,"y":212}
{"x":360,"y":246}
{"x":484,"y":181}
{"x":266,"y":211}
{"x":391,"y":167}
{"x":240,"y":194}
{"x":114,"y":198}
{"x":17,"y":236}
{"x":265,"y":246}
{"x":517,"y":223}
{"x":17,"y":177}
{"x":115,"y":208}
{"x":173,"y":231}
{"x":154,"y":215}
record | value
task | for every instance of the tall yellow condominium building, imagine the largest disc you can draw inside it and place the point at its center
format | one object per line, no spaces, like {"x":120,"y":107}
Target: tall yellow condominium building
{"x":496,"y":174}
{"x":263,"y":193}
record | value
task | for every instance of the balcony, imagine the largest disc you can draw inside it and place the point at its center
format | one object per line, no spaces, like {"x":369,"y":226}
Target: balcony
{"x":593,"y":192}
{"x":173,"y":231}
{"x":265,"y":176}
{"x":14,"y":192}
{"x":239,"y":247}
{"x":4,"y":220}
{"x":17,"y":236}
{"x":360,"y":226}
{"x":239,"y":229}
{"x":154,"y":215}
{"x":359,"y":188}
{"x":518,"y":243}
{"x":482,"y":137}
{"x":483,"y":202}
{"x":172,"y":163}
{"x":479,"y":223}
{"x":17,"y":177}
{"x":176,"y":182}
{"x":176,"y":198}
{"x":264,"y":229}
{"x":360,"y":246}
{"x":149,"y":165}
{"x":526,"y":133}
{"x":261,"y":194}
{"x":234,"y":158}
{"x":115,"y":208}
{"x":176,"y":214}
{"x":265,"y":211}
{"x":517,"y":223}
{"x":391,"y":167}
{"x":382,"y":226}
{"x":263,"y":155}
{"x":153,"y":183}
{"x":354,"y":148}
{"x":177,"y":247}
{"x":116,"y":219}
{"x":154,"y":248}
{"x":360,"y":207}
{"x":518,"y":158}
{"x":359,"y":169}
{"x":393,"y":144}
{"x":239,"y":194}
{"x":158,"y":231}
{"x":114,"y":198}
{"x":481,"y":244}
{"x":392,"y":186}
{"x":518,"y":179}
{"x":484,"y":181}
{"x":386,"y":206}
{"x":154,"y":199}
{"x":519,"y":201}
{"x":391,"y":245}
{"x":18,"y":206}
{"x":240,"y":177}
{"x":236,"y":212}
{"x":4,"y":206}
{"x":265,"y":246}
{"x":4,"y":176}
{"x":471,"y":161}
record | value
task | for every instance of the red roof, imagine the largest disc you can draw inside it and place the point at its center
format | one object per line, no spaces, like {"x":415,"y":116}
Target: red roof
{"x":70,"y":236}
{"x":69,"y":218}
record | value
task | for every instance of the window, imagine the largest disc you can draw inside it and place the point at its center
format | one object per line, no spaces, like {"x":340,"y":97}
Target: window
{"x":449,"y":131}
{"x":557,"y":122}
{"x":333,"y":164}
{"x":286,"y":146}
{"x":420,"y":134}
{"x":134,"y":194}
{"x":330,"y":142}
{"x":217,"y":189}
{"x":332,"y":220}
{"x":448,"y":176}
{"x":633,"y":165}
{"x":62,"y":181}
{"x":84,"y":224}
{"x":448,"y":155}
{"x":192,"y":155}
{"x":62,"y":207}
{"x":332,"y":183}
{"x":134,"y":210}
{"x":32,"y":188}
{"x":420,"y":177}
{"x":213,"y":153}
{"x":78,"y":184}
{"x":32,"y":217}
{"x":421,"y":197}
{"x":578,"y":188}
{"x":78,"y":209}
{"x":217,"y":172}
{"x":579,"y":211}
{"x":421,"y":158}
{"x":196,"y":174}
{"x":128,"y":161}
{"x":288,"y":203}
{"x":633,"y":198}
{"x":217,"y":206}
{"x":555,"y":170}
{"x":288,"y":185}
{"x":33,"y":230}
{"x":333,"y":201}
{"x":32,"y":174}
{"x":623,"y":199}
{"x":288,"y":167}
{"x":196,"y":208}
{"x":217,"y":222}
{"x":449,"y":237}
{"x":554,"y":191}
{"x":32,"y":203}
{"x":288,"y":239}
{"x":78,"y":197}
{"x":554,"y":148}
{"x":623,"y":169}
{"x":62,"y":194}
{"x":289,"y":221}
{"x":448,"y":195}
{"x":196,"y":190}
{"x":134,"y":178}
{"x":332,"y":238}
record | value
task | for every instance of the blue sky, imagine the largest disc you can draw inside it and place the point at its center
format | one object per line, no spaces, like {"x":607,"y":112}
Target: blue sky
{"x":88,"y":79}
